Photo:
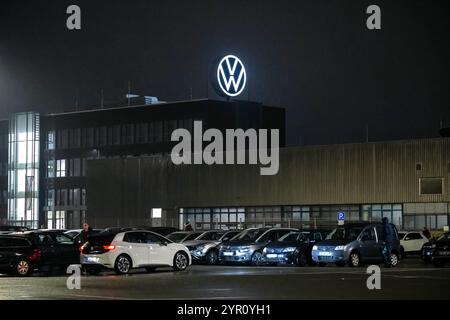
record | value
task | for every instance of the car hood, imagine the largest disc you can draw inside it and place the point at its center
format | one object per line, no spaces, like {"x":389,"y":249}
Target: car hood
{"x":197,"y":242}
{"x":241,"y":243}
{"x":333,"y":243}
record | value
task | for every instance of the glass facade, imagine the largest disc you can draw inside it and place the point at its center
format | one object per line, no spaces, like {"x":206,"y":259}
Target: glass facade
{"x":23,"y":169}
{"x":304,"y":217}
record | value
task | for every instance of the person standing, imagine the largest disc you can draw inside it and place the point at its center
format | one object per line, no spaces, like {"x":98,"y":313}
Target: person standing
{"x":389,"y":237}
{"x":85,"y":233}
{"x":426,"y":233}
{"x":188,"y":226}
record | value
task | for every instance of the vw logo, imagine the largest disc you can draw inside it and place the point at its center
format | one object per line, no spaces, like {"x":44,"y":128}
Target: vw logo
{"x":231,"y":76}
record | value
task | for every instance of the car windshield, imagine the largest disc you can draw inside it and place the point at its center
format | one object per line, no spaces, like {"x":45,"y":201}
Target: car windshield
{"x":444,"y":237}
{"x":349,"y":233}
{"x":249,"y":235}
{"x":176,"y":236}
{"x":291,"y":236}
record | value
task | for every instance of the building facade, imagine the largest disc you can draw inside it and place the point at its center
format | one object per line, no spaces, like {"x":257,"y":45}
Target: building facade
{"x":406,"y":181}
{"x":48,"y":153}
{"x":3,"y":170}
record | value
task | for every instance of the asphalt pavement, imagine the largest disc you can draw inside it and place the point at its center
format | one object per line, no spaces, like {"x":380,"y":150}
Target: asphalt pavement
{"x":412,"y":279}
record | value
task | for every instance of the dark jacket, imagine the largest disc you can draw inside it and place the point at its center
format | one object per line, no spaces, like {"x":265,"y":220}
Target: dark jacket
{"x":84,"y":235}
{"x":388,"y":231}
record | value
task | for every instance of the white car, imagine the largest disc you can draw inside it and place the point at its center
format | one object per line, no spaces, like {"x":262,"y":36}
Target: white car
{"x":411,"y":242}
{"x":132,"y":249}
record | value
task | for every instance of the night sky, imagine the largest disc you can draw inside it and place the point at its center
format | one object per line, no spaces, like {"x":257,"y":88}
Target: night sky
{"x":315,"y":58}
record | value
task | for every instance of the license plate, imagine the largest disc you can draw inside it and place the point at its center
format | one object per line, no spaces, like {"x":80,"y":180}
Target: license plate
{"x":444,"y":253}
{"x":325,"y":254}
{"x":271,"y":255}
{"x":228,"y":253}
{"x":91,"y":259}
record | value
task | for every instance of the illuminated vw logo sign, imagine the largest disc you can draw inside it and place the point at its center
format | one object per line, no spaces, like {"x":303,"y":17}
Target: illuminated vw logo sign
{"x":231,"y":76}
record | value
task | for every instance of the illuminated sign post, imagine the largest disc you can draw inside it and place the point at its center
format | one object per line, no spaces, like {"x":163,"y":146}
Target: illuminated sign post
{"x":231,"y":76}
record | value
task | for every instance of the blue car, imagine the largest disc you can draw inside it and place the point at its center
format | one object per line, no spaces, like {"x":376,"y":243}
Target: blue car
{"x":355,"y":244}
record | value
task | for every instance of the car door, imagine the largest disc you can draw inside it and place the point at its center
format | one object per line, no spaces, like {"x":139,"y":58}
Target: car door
{"x":137,"y":247}
{"x":65,"y":249}
{"x":159,"y":252}
{"x":47,"y":246}
{"x":6,"y":252}
{"x":368,"y":244}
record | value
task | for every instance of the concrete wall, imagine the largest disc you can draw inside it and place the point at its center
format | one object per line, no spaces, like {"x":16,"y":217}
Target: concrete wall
{"x":126,"y":189}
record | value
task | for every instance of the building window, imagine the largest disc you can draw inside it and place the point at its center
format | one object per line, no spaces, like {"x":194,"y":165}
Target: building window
{"x":100,"y":138}
{"x":51,"y":140}
{"x":60,"y":219}
{"x":75,"y":138}
{"x":83,"y":197}
{"x":61,"y":168}
{"x":128,"y":134}
{"x":116,"y":134}
{"x":62,"y":139}
{"x":418,"y":166}
{"x":431,"y":186}
{"x":51,"y":168}
{"x":50,"y":198}
{"x":142,"y":133}
{"x":61,"y":197}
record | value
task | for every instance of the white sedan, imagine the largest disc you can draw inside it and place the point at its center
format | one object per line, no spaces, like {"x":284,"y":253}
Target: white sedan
{"x":411,"y":242}
{"x":132,"y":249}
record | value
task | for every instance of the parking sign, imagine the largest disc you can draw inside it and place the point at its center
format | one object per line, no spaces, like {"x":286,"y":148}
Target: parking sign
{"x":341,"y":217}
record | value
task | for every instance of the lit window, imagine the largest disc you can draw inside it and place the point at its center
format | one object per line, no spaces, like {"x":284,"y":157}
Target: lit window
{"x":51,"y":140}
{"x":61,"y":168}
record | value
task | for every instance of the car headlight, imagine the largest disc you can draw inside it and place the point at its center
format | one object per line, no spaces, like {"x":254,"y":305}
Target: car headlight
{"x":199,"y":248}
{"x":339,"y":248}
{"x":289,"y":249}
{"x":264,"y":250}
{"x":315,"y":248}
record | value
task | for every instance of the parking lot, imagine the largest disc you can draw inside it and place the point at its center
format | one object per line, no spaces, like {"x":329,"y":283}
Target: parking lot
{"x":412,"y":279}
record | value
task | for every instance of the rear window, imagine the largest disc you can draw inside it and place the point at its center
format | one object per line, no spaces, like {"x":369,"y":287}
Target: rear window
{"x":101,"y":240}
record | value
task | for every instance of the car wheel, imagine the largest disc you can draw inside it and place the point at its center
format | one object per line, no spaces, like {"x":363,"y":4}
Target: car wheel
{"x":180,"y":261}
{"x":256,"y":258}
{"x":123,"y":264}
{"x":22,"y":268}
{"x":354,"y":260}
{"x":212,"y":257}
{"x":394,"y":259}
{"x":301,"y":260}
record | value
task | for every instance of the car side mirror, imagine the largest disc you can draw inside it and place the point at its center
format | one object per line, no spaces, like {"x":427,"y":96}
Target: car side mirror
{"x":225,"y":239}
{"x":407,"y":238}
{"x":164,"y":243}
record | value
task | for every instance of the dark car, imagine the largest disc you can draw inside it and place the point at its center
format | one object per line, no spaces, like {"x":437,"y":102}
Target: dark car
{"x":247,"y":247}
{"x":56,"y":249}
{"x":18,"y":255}
{"x":293,"y":248}
{"x":438,"y":251}
{"x":355,"y":244}
{"x":11,"y":229}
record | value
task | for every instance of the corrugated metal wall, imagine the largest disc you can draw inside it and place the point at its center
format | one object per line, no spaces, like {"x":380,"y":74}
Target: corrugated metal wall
{"x":384,"y":172}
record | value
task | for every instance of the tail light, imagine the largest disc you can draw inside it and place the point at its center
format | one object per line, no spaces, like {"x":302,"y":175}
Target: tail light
{"x":83,"y":247}
{"x":109,"y":248}
{"x":35,"y":255}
